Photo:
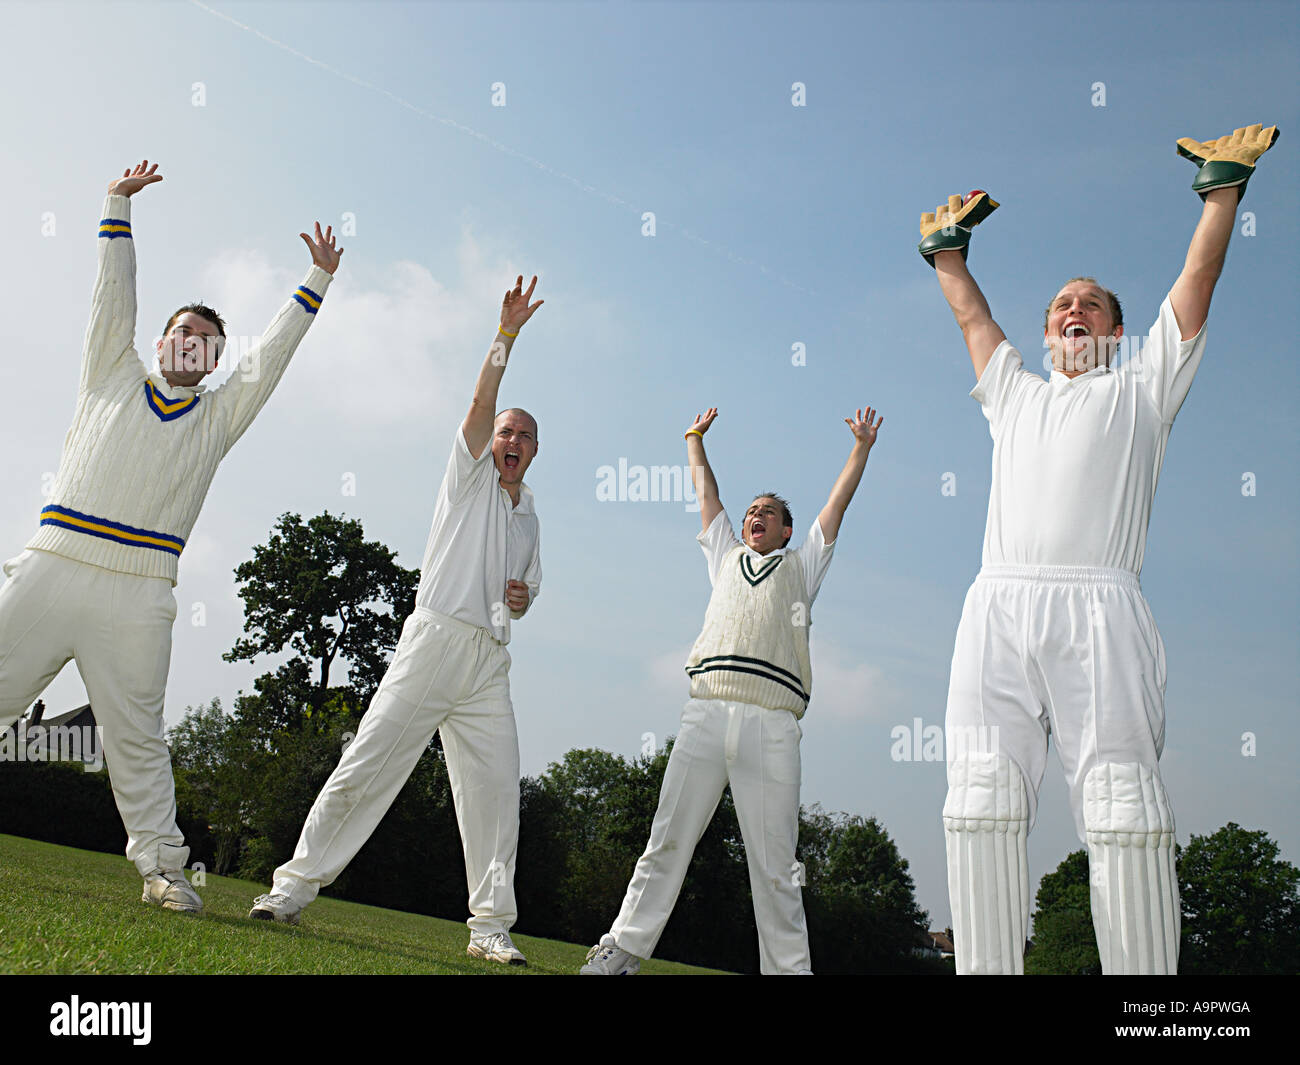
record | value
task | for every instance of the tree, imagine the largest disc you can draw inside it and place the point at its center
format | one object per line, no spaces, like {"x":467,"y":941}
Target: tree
{"x":211,"y":784}
{"x":1064,"y":939}
{"x":859,"y":896}
{"x":326,"y":592}
{"x":586,"y":821}
{"x":1241,"y":912}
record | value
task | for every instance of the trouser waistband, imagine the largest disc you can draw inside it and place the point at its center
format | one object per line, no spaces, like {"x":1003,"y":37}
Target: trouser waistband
{"x":1062,"y":575}
{"x":462,"y":628}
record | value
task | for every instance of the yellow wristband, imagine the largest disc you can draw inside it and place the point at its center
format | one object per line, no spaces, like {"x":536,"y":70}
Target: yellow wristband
{"x":696,"y":432}
{"x":500,"y":330}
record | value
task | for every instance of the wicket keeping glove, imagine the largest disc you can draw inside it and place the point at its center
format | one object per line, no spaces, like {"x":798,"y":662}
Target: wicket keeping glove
{"x":1228,"y":161}
{"x":948,"y":228}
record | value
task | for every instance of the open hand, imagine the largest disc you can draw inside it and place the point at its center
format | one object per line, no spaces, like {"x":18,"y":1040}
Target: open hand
{"x":323,"y":252}
{"x":702,"y":422}
{"x":132,"y":181}
{"x":863,"y":429}
{"x":515,"y":309}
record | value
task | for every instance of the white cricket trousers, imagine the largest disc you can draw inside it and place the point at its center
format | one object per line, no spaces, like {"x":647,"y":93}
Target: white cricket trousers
{"x":451,"y":677}
{"x":118,"y":628}
{"x":757,"y":750}
{"x":1072,"y":650}
{"x":1075,"y":652}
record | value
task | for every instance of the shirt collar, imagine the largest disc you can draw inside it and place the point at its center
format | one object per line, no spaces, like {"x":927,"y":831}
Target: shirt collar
{"x":1059,"y":380}
{"x":525,"y":498}
{"x":763,"y":558}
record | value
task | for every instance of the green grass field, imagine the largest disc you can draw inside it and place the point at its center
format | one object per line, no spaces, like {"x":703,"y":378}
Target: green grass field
{"x":72,"y":911}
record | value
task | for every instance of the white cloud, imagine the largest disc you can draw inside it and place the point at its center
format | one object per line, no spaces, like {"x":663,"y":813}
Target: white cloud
{"x":667,"y":675}
{"x":390,"y":341}
{"x":847,"y":688}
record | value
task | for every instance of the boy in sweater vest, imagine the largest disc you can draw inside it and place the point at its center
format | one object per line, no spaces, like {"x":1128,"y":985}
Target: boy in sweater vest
{"x":450,"y":673}
{"x":751,"y":678}
{"x":95,"y":582}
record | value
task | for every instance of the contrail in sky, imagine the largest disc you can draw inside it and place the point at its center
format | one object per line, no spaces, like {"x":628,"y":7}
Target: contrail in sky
{"x":505,"y":149}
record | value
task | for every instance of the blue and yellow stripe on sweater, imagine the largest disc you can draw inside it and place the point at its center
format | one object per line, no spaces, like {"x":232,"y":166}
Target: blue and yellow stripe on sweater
{"x":308,"y":298}
{"x":66,"y":518}
{"x":114,"y":227}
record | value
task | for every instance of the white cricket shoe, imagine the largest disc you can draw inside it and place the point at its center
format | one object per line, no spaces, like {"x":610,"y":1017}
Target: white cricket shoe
{"x":607,"y":958}
{"x":496,"y":947}
{"x":275,"y":907}
{"x":169,"y":889}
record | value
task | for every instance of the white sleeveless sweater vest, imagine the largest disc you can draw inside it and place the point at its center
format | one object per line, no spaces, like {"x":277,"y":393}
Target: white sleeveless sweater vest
{"x":754,"y":645}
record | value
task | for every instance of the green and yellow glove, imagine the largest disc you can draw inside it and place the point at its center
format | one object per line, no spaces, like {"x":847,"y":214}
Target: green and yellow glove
{"x":948,"y":228}
{"x":1228,"y":161}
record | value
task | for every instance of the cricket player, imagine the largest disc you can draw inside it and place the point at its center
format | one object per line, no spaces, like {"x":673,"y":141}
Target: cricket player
{"x":450,"y":672}
{"x":751,"y":678}
{"x":1055,"y":635}
{"x":95,"y":582}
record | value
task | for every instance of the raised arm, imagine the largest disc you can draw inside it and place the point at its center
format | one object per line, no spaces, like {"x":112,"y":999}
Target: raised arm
{"x":981,"y":333}
{"x":110,"y":334}
{"x":247,"y":389}
{"x":515,"y":311}
{"x":1194,"y":288}
{"x":864,"y":437}
{"x":1225,"y":166}
{"x":706,"y":485}
{"x":945,"y":239}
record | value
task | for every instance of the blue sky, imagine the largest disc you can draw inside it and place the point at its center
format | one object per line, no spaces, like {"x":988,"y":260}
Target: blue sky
{"x":775,"y":225}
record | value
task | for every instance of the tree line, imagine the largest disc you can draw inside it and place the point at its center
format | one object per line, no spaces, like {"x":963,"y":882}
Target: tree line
{"x":246,"y":780}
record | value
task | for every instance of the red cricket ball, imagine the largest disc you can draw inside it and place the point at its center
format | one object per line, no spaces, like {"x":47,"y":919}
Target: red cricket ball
{"x":972,"y":194}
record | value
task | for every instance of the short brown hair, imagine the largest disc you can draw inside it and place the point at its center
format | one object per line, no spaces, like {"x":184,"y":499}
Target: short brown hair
{"x":1116,"y":312}
{"x":787,"y":520}
{"x":203,"y":311}
{"x":537,"y":433}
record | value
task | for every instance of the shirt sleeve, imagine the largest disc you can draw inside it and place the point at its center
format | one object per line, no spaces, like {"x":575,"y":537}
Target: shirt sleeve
{"x":1004,"y":372}
{"x":110,"y":335}
{"x":718,"y":539}
{"x":465,"y":473}
{"x":247,"y":389}
{"x":815,"y":553}
{"x":1167,"y":363}
{"x":532,"y":576}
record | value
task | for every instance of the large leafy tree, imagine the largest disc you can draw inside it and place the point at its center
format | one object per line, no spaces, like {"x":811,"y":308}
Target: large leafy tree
{"x":1241,"y":911}
{"x":320,"y":589}
{"x":1064,"y":939}
{"x":860,"y":898}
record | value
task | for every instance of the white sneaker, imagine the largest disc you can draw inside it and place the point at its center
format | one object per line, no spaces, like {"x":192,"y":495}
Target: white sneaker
{"x":496,"y":947}
{"x":607,"y":958}
{"x":169,"y":889}
{"x":275,"y":907}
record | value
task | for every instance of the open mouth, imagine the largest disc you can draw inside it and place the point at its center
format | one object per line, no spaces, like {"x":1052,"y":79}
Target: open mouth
{"x":1074,"y":330}
{"x":512,"y":460}
{"x":757,"y":529}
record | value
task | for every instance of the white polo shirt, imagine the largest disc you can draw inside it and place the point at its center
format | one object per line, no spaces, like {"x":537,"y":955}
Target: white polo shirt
{"x":815,"y":553}
{"x":478,"y":541}
{"x":1076,"y":461}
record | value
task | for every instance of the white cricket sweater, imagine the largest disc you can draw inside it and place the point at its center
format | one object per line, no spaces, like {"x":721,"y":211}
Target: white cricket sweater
{"x":140,"y":454}
{"x":754,"y":644}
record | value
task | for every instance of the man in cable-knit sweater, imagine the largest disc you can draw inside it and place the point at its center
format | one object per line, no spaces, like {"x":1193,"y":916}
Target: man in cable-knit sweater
{"x":751,"y":678}
{"x":95,"y":582}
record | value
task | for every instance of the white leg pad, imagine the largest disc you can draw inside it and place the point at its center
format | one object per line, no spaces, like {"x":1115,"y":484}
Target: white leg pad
{"x":1134,"y":883}
{"x":986,"y":830}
